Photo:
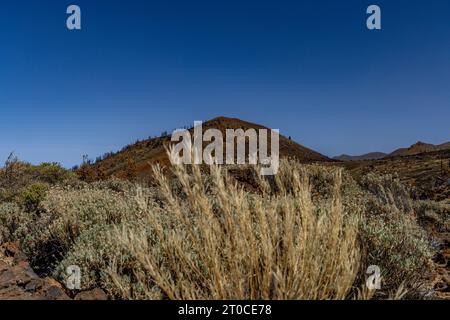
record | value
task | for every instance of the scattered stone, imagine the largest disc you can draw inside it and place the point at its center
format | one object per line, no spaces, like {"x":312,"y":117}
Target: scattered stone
{"x":10,"y":249}
{"x":18,"y":281}
{"x":94,"y":294}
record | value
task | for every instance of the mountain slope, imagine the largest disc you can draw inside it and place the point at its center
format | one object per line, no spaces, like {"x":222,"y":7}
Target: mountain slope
{"x":136,"y":160}
{"x":419,"y":147}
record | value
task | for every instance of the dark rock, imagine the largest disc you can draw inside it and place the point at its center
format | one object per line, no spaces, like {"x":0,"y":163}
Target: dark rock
{"x":18,"y":281}
{"x":94,"y":294}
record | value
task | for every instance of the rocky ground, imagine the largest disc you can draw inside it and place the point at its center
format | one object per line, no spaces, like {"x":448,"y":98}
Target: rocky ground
{"x":18,"y":281}
{"x":441,"y":277}
{"x":442,"y":285}
{"x":428,"y":175}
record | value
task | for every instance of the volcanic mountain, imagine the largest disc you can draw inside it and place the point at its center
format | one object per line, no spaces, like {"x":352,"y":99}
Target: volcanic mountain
{"x":419,"y":147}
{"x":415,"y":149}
{"x":137,"y":159}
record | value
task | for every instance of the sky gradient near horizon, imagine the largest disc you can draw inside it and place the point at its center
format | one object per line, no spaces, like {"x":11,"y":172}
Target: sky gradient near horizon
{"x":137,"y":68}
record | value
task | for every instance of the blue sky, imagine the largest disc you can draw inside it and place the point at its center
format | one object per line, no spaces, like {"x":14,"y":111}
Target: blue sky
{"x":137,"y":68}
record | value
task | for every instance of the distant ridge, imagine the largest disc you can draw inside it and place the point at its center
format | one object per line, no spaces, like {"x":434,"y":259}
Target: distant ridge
{"x":419,"y":147}
{"x":367,"y":156}
{"x":415,"y":149}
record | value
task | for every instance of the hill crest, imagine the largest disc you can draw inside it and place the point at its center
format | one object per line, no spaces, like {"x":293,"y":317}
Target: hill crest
{"x":366,"y":156}
{"x":136,"y":160}
{"x":419,"y":147}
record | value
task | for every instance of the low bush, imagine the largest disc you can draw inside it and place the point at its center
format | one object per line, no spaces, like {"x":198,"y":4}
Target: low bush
{"x":33,"y":195}
{"x":391,"y":234}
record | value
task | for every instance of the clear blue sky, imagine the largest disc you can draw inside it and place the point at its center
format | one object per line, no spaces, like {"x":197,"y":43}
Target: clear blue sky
{"x":137,"y":68}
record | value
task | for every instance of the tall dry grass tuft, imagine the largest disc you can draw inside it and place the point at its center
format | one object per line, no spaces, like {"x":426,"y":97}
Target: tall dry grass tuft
{"x":210,"y":239}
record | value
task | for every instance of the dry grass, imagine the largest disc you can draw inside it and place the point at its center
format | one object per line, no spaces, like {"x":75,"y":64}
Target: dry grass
{"x":216,"y":241}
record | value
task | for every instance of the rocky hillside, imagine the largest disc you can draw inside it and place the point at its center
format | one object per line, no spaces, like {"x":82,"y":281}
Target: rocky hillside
{"x":18,"y":281}
{"x":419,"y":147}
{"x":136,"y":160}
{"x":415,"y":149}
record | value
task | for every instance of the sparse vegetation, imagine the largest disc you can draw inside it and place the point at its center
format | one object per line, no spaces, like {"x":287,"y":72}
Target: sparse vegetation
{"x":17,"y":176}
{"x":308,"y":233}
{"x":392,"y":237}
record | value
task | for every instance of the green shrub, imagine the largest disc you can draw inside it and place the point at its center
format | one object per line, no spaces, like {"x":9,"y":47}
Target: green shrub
{"x":104,"y":262}
{"x":391,"y":235}
{"x":67,"y":212}
{"x":33,"y":195}
{"x":17,"y":176}
{"x":13,"y":221}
